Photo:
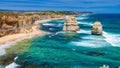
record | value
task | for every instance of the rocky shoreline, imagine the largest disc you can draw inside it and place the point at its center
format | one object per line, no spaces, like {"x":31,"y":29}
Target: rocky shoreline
{"x":16,"y":28}
{"x":26,"y":27}
{"x":14,"y":23}
{"x":11,"y":40}
{"x":36,"y":32}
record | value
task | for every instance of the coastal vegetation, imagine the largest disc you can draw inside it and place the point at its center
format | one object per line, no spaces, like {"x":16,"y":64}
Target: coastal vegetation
{"x":19,"y":47}
{"x":15,"y":50}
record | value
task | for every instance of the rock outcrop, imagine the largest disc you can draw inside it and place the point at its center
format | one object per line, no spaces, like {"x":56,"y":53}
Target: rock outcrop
{"x":12,"y":23}
{"x":97,"y":28}
{"x":70,"y":24}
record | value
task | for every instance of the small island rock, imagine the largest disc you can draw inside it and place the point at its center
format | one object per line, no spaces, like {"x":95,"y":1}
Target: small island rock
{"x":70,"y":24}
{"x":97,"y":28}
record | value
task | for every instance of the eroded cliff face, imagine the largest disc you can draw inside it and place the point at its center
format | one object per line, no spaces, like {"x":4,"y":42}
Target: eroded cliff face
{"x":71,"y":24}
{"x":12,"y":23}
{"x":97,"y":28}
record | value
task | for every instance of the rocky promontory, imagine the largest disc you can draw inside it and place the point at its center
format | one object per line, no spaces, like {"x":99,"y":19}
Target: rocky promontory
{"x":14,"y":22}
{"x":70,"y":24}
{"x":22,"y":22}
{"x":97,"y":28}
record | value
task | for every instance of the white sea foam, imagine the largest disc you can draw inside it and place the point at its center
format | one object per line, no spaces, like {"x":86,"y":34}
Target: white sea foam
{"x":87,"y":44}
{"x":85,"y":14}
{"x":112,"y":39}
{"x":92,"y":42}
{"x":81,"y":18}
{"x":50,"y":28}
{"x":60,"y":24}
{"x":48,"y":24}
{"x":12,"y":65}
{"x":85,"y":23}
{"x":56,"y":34}
{"x":59,"y":32}
{"x":84,"y":31}
{"x":98,"y":41}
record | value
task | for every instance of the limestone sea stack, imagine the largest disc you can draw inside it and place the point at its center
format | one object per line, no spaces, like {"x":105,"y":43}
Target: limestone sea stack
{"x":70,"y":24}
{"x":97,"y":28}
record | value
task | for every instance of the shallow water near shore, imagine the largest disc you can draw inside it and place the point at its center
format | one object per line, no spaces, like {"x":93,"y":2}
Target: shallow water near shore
{"x":75,"y":50}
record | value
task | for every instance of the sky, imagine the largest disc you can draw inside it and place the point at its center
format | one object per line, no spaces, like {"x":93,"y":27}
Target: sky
{"x":98,"y":6}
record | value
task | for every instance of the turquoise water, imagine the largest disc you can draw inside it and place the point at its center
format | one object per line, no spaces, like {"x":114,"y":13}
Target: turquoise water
{"x":76,"y":50}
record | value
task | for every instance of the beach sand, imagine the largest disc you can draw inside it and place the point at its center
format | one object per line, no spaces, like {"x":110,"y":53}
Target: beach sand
{"x":9,"y":40}
{"x":36,"y":32}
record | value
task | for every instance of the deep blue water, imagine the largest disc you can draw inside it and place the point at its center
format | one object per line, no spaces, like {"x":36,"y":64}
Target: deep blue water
{"x":76,"y":50}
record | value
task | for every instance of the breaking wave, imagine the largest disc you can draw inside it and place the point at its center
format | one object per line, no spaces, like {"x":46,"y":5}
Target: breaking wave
{"x":111,"y":38}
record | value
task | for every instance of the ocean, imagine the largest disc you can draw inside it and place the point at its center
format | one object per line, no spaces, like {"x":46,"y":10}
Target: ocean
{"x":75,"y":50}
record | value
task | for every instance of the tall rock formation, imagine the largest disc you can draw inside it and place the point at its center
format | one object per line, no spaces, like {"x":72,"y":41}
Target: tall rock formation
{"x":70,"y":24}
{"x":97,"y":28}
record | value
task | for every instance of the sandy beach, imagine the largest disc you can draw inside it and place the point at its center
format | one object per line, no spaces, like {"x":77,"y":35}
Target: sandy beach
{"x":36,"y":32}
{"x":9,"y":40}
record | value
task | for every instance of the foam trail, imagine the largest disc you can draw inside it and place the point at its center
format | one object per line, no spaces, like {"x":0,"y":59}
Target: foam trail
{"x":85,"y":14}
{"x":60,"y":25}
{"x":56,"y":33}
{"x":59,"y":32}
{"x":85,"y":44}
{"x":12,"y":65}
{"x":84,"y":31}
{"x":81,"y":18}
{"x":112,"y":39}
{"x":48,"y":24}
{"x":85,"y":23}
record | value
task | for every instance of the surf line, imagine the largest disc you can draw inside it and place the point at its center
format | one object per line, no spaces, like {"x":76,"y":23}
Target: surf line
{"x":111,"y":39}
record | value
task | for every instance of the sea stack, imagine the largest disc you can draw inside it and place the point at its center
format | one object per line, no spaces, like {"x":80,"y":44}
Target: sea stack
{"x":97,"y":28}
{"x":71,"y":24}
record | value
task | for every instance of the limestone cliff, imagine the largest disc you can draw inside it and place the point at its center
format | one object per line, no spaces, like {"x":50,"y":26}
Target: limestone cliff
{"x":70,"y":24}
{"x":97,"y":28}
{"x":11,"y":23}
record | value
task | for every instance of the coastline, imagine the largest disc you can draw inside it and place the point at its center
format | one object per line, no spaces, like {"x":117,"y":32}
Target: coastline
{"x":8,"y":41}
{"x":36,"y":32}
